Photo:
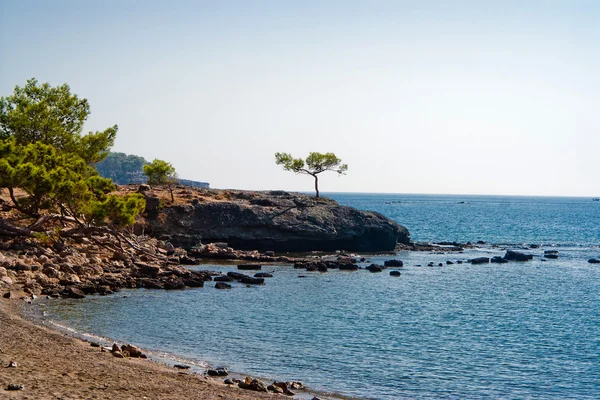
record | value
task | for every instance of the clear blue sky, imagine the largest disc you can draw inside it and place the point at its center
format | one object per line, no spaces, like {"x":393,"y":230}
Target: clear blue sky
{"x":488,"y":97}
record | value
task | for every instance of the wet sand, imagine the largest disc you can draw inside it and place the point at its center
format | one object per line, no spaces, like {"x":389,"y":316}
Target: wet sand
{"x":53,"y":365}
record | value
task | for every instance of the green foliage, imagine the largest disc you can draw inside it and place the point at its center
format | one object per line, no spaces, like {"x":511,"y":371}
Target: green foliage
{"x":52,"y":116}
{"x":160,"y":172}
{"x":44,"y":155}
{"x":61,"y":182}
{"x":314,"y":164}
{"x":123,"y":169}
{"x":118,"y":211}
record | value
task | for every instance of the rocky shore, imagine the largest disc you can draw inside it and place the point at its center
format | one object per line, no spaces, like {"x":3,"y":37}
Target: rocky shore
{"x":266,"y":221}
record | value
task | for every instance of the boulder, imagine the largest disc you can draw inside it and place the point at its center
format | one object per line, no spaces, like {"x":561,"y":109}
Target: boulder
{"x":374,"y":268}
{"x":248,"y":267}
{"x":498,"y":260}
{"x":348,"y":267}
{"x":222,"y":285}
{"x":132,"y":351}
{"x":237,"y":275}
{"x":223,"y":279}
{"x":217,"y":372}
{"x":594,"y":261}
{"x":480,"y":260}
{"x":512,"y":255}
{"x":394,"y":273}
{"x":551,"y":256}
{"x":393,"y":263}
{"x":148,"y":270}
{"x":253,"y":281}
{"x":73,"y":293}
{"x":263,"y":275}
{"x":253,"y":384}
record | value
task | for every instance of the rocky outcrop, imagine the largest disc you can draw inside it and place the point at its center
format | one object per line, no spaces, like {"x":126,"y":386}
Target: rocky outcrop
{"x":272,"y":221}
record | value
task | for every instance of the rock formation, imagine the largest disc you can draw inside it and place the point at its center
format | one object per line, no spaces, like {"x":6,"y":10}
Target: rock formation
{"x":275,"y":220}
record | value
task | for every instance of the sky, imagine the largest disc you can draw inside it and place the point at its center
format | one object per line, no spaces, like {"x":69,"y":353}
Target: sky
{"x":442,"y":97}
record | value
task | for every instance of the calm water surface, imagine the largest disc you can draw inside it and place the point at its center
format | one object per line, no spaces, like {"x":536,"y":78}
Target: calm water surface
{"x":517,"y":330}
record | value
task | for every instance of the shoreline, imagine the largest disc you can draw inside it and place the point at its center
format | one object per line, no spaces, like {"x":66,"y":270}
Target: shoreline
{"x":53,"y":364}
{"x":26,"y":318}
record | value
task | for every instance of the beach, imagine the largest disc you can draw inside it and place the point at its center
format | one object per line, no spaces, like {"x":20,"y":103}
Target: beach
{"x":53,"y":365}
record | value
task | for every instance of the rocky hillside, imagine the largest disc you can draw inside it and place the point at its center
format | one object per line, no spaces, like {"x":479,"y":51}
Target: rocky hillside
{"x":266,"y":221}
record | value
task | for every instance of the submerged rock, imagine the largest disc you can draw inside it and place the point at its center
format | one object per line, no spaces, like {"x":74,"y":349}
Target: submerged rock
{"x":594,"y":261}
{"x":480,"y":260}
{"x":512,"y":255}
{"x":393,"y":263}
{"x":374,"y":268}
{"x":222,"y":285}
{"x":498,"y":260}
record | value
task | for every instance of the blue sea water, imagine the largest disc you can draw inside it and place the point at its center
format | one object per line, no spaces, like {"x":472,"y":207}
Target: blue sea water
{"x":516,"y":330}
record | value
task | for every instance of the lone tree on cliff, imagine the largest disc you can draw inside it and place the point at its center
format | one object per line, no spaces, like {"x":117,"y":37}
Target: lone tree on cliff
{"x":314,"y":164}
{"x":161,"y":173}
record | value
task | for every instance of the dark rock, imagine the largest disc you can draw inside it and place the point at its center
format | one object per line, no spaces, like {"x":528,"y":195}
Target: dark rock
{"x":9,"y":295}
{"x":550,"y":252}
{"x":152,"y":204}
{"x":512,"y":255}
{"x":394,"y":273}
{"x":498,"y":260}
{"x":14,"y":386}
{"x":173,"y":284}
{"x":217,"y":372}
{"x":247,"y":267}
{"x":459,"y":262}
{"x":185,"y":260}
{"x":237,"y":276}
{"x":223,"y":279}
{"x":594,"y":261}
{"x":228,"y":381}
{"x":148,"y":270}
{"x":253,"y":281}
{"x":290,"y":223}
{"x":551,"y":256}
{"x":449,"y":262}
{"x":181,"y":366}
{"x":480,"y":242}
{"x":73,"y":293}
{"x":348,"y":267}
{"x":263,"y":275}
{"x":374,"y":268}
{"x":148,"y":283}
{"x":480,"y":260}
{"x":253,"y":384}
{"x":222,"y":285}
{"x":393,"y":263}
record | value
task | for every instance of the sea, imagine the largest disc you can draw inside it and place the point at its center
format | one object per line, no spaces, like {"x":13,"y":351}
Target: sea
{"x":521,"y":330}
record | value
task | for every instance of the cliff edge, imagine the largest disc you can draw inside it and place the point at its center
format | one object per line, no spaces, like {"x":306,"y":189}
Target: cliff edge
{"x":273,"y":220}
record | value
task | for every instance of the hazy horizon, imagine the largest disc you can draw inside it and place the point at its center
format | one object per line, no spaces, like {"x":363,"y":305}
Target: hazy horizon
{"x":430,"y":97}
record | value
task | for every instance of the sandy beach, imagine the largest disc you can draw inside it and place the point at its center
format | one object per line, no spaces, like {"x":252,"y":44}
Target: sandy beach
{"x":52,"y":365}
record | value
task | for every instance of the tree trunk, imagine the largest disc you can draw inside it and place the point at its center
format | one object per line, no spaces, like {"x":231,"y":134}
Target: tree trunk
{"x":316,"y":185}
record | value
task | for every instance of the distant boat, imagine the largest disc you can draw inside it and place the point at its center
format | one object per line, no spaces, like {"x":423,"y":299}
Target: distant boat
{"x":596,"y":199}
